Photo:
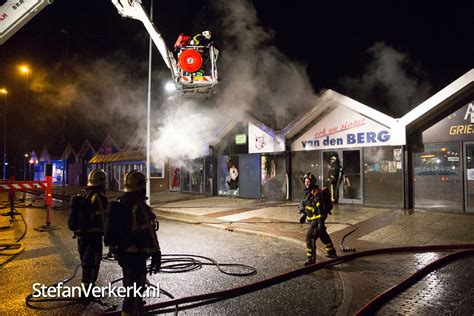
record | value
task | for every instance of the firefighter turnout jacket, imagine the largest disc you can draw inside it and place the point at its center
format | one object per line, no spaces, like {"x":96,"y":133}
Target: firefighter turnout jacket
{"x":312,"y":205}
{"x":88,"y":210}
{"x":131,"y":226}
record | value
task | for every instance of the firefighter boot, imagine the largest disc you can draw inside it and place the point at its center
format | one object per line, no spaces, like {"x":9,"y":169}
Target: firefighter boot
{"x":310,"y":256}
{"x":309,"y":260}
{"x":331,"y":252}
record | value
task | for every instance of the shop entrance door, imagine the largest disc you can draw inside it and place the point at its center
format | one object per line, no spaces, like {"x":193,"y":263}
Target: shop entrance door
{"x":469,"y":176}
{"x":350,"y":188}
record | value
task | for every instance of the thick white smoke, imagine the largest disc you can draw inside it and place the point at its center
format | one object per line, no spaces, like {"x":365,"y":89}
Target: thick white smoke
{"x":396,"y":75}
{"x":184,"y":131}
{"x":257,"y":79}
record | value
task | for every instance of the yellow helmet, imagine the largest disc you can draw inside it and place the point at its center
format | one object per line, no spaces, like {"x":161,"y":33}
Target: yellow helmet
{"x":96,"y":178}
{"x":135,"y":180}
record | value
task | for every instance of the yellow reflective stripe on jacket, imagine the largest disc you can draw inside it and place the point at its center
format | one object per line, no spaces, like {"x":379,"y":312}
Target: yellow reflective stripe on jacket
{"x":313,"y":217}
{"x":94,"y":196}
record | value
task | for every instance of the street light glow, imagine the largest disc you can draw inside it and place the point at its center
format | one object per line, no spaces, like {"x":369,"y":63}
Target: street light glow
{"x":24,"y":69}
{"x":170,"y":86}
{"x":3,"y":91}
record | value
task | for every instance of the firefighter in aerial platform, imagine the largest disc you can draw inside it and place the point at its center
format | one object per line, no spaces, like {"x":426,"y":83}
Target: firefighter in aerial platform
{"x":87,"y":219}
{"x":335,"y":175}
{"x":131,"y":231}
{"x":315,"y":214}
{"x":203,"y":39}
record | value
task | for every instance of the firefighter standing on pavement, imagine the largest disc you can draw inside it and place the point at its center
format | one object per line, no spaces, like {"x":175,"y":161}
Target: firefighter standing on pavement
{"x":131,"y":231}
{"x":310,"y":206}
{"x":335,"y":174}
{"x":87,"y":221}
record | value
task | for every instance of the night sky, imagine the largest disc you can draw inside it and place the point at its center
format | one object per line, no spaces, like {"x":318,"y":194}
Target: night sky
{"x":390,"y":55}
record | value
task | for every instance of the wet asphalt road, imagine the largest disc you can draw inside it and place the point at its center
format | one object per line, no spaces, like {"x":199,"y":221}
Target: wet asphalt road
{"x":51,"y":256}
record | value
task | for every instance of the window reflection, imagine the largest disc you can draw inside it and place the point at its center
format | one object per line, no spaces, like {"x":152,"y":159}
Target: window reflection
{"x":438,"y":176}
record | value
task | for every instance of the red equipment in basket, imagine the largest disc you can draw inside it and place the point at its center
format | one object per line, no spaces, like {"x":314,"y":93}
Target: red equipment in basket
{"x":190,"y":60}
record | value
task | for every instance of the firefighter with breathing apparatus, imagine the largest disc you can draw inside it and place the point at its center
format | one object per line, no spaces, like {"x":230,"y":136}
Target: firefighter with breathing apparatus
{"x":131,"y":232}
{"x":315,"y":208}
{"x":86,"y":220}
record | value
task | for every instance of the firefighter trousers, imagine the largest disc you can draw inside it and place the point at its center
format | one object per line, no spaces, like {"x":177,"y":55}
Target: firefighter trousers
{"x":317,"y":229}
{"x":134,"y":273}
{"x":90,"y":252}
{"x":334,"y":189}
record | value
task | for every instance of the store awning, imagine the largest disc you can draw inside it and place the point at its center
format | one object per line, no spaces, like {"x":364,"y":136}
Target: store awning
{"x":117,"y":157}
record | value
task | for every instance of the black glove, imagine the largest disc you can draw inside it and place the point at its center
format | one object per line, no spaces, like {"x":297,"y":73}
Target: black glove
{"x":155,"y":262}
{"x":303,"y":219}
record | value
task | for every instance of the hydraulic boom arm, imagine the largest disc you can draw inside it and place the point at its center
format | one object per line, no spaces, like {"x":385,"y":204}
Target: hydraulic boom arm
{"x":133,"y":9}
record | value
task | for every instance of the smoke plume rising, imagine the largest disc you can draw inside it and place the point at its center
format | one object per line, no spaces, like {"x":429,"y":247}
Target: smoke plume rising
{"x":256,"y":79}
{"x":391,"y":80}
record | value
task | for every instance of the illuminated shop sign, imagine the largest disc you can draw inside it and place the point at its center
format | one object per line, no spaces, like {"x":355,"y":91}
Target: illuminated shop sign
{"x":457,"y":126}
{"x":240,"y":139}
{"x":264,"y":142}
{"x":343,"y":128}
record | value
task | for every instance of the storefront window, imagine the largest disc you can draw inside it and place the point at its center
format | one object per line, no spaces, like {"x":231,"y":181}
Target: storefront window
{"x":383,"y":176}
{"x":273,"y":171}
{"x":193,"y":176}
{"x":438,"y":176}
{"x":157,"y":170}
{"x":175,"y":178}
{"x":228,"y":175}
{"x":303,"y":162}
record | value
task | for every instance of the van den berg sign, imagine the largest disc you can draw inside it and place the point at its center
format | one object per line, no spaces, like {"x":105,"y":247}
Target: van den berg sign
{"x":343,"y":128}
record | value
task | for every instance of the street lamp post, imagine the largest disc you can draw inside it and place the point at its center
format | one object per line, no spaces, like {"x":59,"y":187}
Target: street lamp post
{"x":31,"y":161}
{"x":148,"y":112}
{"x":25,"y":70}
{"x":4,"y":91}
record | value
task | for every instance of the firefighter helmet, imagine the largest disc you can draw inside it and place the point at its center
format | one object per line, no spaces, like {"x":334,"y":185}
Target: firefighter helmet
{"x":96,"y":178}
{"x":207,"y":35}
{"x":135,"y":180}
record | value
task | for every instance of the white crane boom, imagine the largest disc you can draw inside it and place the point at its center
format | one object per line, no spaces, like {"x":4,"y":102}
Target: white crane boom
{"x":133,"y":9}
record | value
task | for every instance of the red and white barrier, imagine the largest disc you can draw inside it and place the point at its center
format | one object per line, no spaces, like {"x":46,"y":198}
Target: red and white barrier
{"x":12,"y":186}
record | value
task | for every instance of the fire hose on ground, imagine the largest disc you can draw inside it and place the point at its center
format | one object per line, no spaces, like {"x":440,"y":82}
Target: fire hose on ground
{"x":171,"y":263}
{"x":203,"y":299}
{"x":184,"y":263}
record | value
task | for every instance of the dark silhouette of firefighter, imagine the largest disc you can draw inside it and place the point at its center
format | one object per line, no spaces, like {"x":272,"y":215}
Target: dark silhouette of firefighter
{"x":202,"y":39}
{"x":315,"y":208}
{"x":87,"y":219}
{"x":131,"y":232}
{"x":335,"y":174}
